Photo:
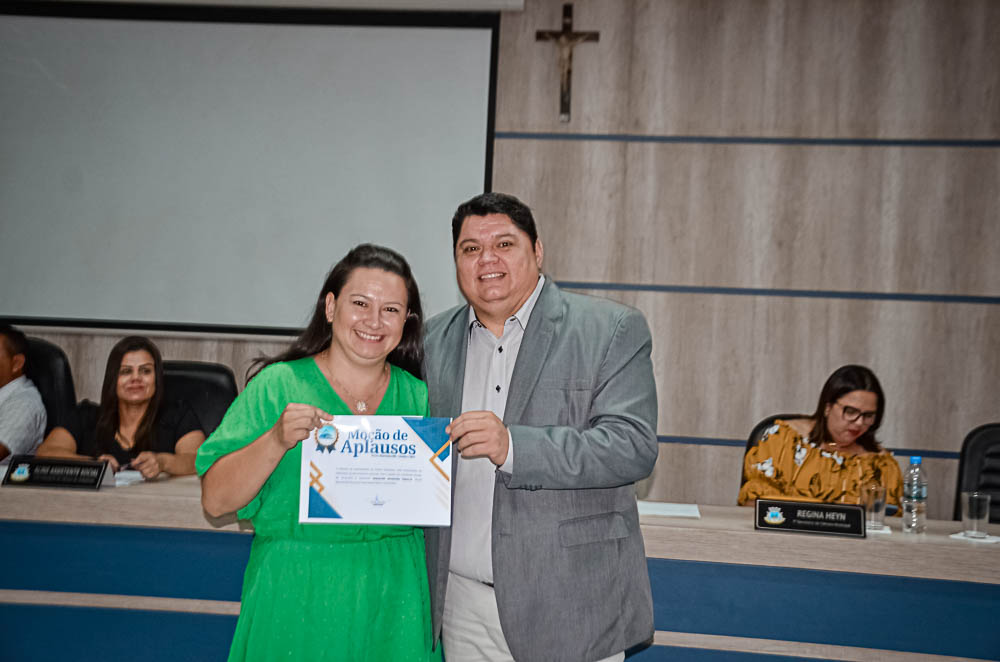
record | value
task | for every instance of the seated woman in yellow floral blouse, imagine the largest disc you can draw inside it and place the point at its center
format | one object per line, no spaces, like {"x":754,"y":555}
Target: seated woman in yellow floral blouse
{"x":829,"y":456}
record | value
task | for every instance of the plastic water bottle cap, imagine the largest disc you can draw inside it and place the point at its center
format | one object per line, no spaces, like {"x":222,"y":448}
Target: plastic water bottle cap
{"x":915,"y":459}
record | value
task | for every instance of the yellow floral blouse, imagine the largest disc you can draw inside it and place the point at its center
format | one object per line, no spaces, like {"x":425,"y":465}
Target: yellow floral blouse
{"x":786,"y":464}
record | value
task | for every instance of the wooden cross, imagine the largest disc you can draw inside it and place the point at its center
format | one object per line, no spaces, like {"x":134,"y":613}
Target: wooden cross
{"x":565,"y":40}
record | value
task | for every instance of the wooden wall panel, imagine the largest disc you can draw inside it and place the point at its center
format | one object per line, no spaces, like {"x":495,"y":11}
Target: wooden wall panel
{"x":722,"y":362}
{"x":88,"y":351}
{"x":734,"y":157}
{"x":695,"y":474}
{"x":780,"y":68}
{"x":528,"y":70}
{"x":870,"y":219}
{"x":862,"y":68}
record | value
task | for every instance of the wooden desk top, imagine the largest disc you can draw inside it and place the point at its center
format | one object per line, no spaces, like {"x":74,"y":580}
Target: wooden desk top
{"x":723,"y":534}
{"x":171,"y":503}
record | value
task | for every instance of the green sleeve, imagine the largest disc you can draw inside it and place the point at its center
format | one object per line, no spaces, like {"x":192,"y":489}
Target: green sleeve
{"x":254,"y":412}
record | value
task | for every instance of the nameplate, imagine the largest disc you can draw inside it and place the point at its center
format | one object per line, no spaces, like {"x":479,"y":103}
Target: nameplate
{"x":832,"y":519}
{"x":31,"y":471}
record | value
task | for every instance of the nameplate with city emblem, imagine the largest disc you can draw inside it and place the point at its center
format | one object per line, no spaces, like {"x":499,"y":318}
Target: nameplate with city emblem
{"x":833,"y":519}
{"x":31,"y":471}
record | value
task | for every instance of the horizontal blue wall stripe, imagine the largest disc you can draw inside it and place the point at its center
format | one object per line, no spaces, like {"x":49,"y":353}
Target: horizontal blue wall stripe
{"x":43,"y":633}
{"x":904,"y":453}
{"x":741,"y":443}
{"x":163,"y":563}
{"x":700,"y":441}
{"x":782,"y":292}
{"x":746,"y":140}
{"x":927,"y":616}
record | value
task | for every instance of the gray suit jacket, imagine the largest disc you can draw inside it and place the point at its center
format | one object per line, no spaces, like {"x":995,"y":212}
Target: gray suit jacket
{"x":569,"y":565}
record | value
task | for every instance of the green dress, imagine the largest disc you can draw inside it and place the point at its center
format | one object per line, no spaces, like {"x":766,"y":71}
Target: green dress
{"x":322,"y":591}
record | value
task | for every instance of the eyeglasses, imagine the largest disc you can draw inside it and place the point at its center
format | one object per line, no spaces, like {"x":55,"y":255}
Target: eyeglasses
{"x":852,"y":414}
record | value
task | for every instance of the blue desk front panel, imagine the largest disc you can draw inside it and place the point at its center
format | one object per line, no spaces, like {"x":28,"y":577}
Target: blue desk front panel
{"x":846,"y":609}
{"x":124,"y":560}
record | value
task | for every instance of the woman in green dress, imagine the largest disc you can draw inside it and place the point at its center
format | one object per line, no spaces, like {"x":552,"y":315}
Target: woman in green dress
{"x":321,"y":591}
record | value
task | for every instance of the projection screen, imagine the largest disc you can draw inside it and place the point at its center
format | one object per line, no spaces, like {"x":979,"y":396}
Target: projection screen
{"x":209,"y":173}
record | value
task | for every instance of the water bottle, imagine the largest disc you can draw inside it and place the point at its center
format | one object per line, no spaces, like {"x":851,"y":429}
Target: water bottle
{"x":914,"y":497}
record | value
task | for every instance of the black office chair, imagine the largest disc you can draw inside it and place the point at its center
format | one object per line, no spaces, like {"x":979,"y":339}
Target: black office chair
{"x":758,"y":432}
{"x":208,"y":387}
{"x":979,"y":468}
{"x":47,"y":366}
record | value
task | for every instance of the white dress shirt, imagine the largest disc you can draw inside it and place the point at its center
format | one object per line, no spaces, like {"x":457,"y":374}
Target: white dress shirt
{"x":489,"y":365}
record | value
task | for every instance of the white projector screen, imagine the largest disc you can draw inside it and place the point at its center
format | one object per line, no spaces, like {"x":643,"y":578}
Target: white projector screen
{"x":186,"y":172}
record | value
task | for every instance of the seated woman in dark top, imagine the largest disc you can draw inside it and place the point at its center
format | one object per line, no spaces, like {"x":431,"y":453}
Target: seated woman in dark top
{"x":133,"y":426}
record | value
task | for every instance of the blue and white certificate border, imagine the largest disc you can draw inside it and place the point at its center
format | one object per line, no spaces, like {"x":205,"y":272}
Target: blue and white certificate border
{"x":352,"y":440}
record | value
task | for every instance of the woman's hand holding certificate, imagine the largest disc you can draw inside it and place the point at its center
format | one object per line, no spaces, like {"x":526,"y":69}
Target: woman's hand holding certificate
{"x":295,"y":424}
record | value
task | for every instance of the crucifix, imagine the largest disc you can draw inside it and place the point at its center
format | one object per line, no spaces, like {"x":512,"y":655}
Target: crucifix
{"x":565,"y":40}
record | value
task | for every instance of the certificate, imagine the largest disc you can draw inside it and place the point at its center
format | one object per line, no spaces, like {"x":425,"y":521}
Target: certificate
{"x":377,"y":470}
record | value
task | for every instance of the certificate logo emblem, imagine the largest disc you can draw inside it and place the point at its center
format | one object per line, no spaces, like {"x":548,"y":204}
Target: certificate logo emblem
{"x":774,"y":515}
{"x":326,"y":439}
{"x":21,"y":473}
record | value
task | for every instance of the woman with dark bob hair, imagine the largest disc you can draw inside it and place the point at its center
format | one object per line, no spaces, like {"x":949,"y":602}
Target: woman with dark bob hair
{"x":321,"y":591}
{"x":831,"y":455}
{"x":133,"y":426}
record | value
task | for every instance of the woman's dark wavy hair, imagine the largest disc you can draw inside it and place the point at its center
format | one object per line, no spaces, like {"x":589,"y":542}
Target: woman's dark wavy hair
{"x":107,"y":414}
{"x":408,"y":355}
{"x":844,"y":380}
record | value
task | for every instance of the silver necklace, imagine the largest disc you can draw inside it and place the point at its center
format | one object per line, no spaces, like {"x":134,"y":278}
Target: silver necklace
{"x":361,"y":404}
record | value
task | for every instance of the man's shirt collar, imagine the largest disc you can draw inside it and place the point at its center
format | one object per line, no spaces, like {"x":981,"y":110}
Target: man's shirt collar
{"x":523,"y":313}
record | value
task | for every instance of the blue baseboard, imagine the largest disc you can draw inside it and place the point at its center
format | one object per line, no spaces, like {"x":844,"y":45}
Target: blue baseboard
{"x":42,"y":633}
{"x":682,"y":654}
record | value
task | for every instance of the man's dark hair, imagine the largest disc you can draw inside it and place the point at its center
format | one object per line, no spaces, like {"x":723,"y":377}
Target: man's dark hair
{"x":14,"y":339}
{"x":494,"y":203}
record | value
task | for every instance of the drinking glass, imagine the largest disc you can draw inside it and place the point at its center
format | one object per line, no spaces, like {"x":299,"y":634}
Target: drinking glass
{"x":975,"y":513}
{"x":873,"y":499}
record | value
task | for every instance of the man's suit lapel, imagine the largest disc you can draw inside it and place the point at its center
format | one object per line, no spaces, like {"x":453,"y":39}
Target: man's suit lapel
{"x":534,"y":349}
{"x":454,"y":347}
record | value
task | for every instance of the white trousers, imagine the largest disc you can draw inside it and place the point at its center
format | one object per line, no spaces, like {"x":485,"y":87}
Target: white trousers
{"x":471,"y":627}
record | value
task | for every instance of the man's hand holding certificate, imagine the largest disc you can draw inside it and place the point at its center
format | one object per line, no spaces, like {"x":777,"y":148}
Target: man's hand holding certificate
{"x":377,"y":470}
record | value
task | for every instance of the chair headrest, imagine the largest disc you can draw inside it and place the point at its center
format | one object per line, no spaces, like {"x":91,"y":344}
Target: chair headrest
{"x":47,"y":366}
{"x":209,"y":388}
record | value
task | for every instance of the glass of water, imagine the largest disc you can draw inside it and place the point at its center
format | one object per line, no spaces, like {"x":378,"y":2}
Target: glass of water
{"x":873,"y":499}
{"x":975,"y":513}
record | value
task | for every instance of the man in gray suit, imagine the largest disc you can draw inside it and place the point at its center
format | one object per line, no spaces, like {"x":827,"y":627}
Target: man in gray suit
{"x":555,"y":408}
